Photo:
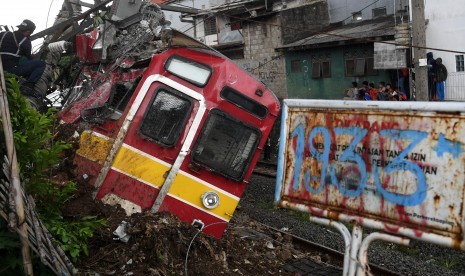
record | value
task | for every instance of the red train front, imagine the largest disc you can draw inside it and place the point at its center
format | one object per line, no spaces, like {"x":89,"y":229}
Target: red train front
{"x":181,"y":135}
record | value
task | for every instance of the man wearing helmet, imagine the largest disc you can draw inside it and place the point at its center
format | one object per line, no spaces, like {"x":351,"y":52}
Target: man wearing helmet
{"x":16,"y":45}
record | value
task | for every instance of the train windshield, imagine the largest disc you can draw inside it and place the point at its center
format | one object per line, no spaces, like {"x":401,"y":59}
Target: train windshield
{"x":165,"y":117}
{"x":226,"y":145}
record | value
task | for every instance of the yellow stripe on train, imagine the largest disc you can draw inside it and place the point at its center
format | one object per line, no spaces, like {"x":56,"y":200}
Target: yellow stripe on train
{"x":185,"y":187}
{"x":148,"y":169}
{"x":94,"y":146}
{"x":190,"y":190}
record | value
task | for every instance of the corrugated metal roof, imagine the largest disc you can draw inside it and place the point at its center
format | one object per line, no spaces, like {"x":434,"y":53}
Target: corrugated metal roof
{"x":356,"y":31}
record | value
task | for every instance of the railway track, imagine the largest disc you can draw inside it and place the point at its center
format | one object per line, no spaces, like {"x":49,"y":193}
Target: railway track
{"x":265,"y":169}
{"x":331,"y":261}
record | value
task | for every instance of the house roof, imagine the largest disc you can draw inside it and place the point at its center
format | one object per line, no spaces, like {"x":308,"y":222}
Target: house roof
{"x":360,"y":32}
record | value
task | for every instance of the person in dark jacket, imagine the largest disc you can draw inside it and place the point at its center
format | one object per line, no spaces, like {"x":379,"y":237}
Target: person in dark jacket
{"x":441,"y":77}
{"x":16,"y":47}
{"x":431,"y":75}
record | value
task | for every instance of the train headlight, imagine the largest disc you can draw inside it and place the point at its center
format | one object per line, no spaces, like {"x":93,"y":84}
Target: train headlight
{"x":210,"y":200}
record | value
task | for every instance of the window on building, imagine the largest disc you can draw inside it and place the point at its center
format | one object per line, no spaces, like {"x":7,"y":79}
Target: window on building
{"x":459,"y":63}
{"x":358,"y":67}
{"x":357,"y":16}
{"x":316,"y":70}
{"x":350,"y":67}
{"x":236,"y":25}
{"x":378,"y":12}
{"x":321,"y":69}
{"x":326,"y":69}
{"x":295,"y":66}
{"x":210,"y":25}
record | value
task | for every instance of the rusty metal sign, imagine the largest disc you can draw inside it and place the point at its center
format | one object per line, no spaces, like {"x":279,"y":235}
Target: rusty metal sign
{"x":391,"y":166}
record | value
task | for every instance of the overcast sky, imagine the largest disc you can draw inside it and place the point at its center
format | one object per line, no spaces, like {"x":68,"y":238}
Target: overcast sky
{"x":13,"y":13}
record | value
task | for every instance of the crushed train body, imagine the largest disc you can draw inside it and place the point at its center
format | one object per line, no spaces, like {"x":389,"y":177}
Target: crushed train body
{"x":169,"y":124}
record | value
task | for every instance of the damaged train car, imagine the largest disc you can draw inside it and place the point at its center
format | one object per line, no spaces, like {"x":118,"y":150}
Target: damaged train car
{"x":169,"y":124}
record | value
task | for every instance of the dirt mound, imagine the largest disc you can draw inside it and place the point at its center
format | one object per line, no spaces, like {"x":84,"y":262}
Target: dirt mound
{"x":160,"y":244}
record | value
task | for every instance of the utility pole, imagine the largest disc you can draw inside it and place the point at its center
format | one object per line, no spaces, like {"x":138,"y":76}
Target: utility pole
{"x":419,"y":39}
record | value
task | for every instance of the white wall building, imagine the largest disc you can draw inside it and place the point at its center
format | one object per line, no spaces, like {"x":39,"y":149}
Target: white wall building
{"x":445,"y":29}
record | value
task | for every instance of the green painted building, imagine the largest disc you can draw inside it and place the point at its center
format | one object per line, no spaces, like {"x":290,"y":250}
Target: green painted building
{"x":324,"y":65}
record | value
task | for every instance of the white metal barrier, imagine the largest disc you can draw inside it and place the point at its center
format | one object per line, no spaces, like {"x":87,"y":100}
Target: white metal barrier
{"x":455,"y":87}
{"x":396,"y":167}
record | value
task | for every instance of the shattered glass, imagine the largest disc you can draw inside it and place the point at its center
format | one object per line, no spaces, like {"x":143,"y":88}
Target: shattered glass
{"x":165,"y":118}
{"x":226,"y":145}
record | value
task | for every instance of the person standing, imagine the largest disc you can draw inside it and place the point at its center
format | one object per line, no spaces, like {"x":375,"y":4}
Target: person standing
{"x":431,"y":75}
{"x":373,"y":91}
{"x":364,"y":92}
{"x":16,"y":45}
{"x":352,"y":92}
{"x":441,"y":77}
{"x":382,"y":93}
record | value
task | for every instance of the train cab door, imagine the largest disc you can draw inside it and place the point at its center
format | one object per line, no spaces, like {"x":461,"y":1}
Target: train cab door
{"x":151,"y":145}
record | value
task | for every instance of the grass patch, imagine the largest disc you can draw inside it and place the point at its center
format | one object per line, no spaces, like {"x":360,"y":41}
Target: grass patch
{"x":302,"y":216}
{"x":412,"y":251}
{"x":448,"y":262}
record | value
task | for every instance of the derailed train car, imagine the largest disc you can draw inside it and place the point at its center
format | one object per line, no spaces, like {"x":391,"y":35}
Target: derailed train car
{"x":170,"y":124}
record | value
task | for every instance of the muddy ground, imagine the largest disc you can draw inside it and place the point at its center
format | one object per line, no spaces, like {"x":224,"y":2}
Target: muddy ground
{"x":160,"y":244}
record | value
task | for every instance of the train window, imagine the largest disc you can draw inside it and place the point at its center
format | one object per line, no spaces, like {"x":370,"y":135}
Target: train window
{"x":165,"y":117}
{"x":189,"y":70}
{"x":244,"y":102}
{"x":226,"y":145}
{"x":113,"y":109}
{"x":120,"y":97}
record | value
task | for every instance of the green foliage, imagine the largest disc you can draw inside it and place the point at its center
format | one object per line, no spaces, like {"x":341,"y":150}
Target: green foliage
{"x":302,"y":216}
{"x":73,"y":236}
{"x":33,"y":140}
{"x":9,"y":250}
{"x":448,"y":262}
{"x":100,"y":18}
{"x":37,"y":153}
{"x":65,"y":61}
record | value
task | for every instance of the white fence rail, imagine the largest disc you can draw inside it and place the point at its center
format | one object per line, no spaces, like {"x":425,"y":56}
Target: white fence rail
{"x":455,"y":87}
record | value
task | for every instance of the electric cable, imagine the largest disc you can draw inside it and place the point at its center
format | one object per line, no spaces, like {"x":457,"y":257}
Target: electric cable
{"x":323,"y":32}
{"x":193,"y":238}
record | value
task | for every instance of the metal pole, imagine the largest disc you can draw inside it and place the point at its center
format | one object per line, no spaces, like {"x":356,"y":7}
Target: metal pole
{"x":363,"y":251}
{"x":345,"y":234}
{"x":419,"y":39}
{"x":357,"y":235}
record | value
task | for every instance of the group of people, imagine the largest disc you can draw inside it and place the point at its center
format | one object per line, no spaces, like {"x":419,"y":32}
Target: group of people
{"x":16,"y":55}
{"x":368,"y":92}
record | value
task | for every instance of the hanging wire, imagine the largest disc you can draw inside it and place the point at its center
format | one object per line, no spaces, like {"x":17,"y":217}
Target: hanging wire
{"x":48,"y":13}
{"x":193,"y":238}
{"x":325,"y":32}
